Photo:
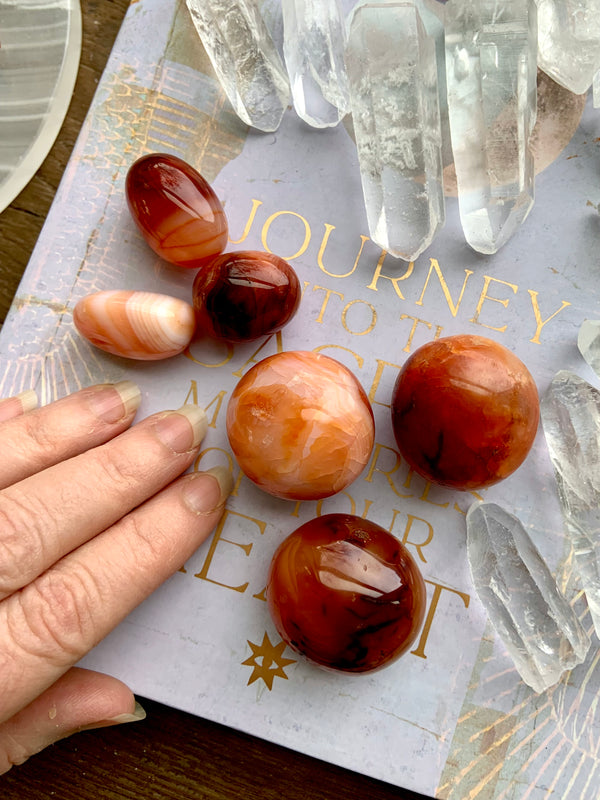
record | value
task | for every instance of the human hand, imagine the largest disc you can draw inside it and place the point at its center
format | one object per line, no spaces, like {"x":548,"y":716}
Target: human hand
{"x":94,"y":515}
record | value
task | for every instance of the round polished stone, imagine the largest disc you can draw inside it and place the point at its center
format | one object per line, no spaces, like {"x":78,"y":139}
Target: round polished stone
{"x":346,"y":593}
{"x":300,"y":425}
{"x":465,"y":411}
{"x":243,"y":295}
{"x":176,"y":209}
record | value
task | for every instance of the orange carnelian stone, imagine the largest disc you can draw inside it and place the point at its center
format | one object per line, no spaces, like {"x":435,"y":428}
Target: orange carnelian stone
{"x":345,"y":593}
{"x":465,"y":411}
{"x":243,"y":295}
{"x":176,"y":210}
{"x":300,"y":425}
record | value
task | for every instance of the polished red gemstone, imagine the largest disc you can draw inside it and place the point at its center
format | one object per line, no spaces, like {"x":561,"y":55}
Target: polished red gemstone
{"x":346,"y":593}
{"x":176,"y":210}
{"x":243,"y":295}
{"x":465,"y":411}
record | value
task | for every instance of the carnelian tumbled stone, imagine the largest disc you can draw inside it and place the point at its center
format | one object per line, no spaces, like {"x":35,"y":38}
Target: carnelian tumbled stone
{"x":346,"y":593}
{"x":176,"y":210}
{"x":465,"y":411}
{"x":243,"y":295}
{"x":300,"y":425}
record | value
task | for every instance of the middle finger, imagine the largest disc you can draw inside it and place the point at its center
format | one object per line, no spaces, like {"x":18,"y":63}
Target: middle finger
{"x":47,"y":515}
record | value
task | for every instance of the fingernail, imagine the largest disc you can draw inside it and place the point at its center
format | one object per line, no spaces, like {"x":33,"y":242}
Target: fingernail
{"x":137,"y":715}
{"x":28,"y":400}
{"x":182,"y":430}
{"x":204,"y":492}
{"x":116,"y":402}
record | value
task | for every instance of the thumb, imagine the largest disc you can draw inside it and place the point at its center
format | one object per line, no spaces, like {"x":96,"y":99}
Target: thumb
{"x":79,"y":700}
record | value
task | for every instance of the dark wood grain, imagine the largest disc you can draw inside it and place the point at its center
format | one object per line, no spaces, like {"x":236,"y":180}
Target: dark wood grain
{"x":170,"y":754}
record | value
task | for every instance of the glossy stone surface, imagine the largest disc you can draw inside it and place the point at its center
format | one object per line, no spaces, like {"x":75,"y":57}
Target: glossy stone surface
{"x":241,"y":296}
{"x":139,"y":325}
{"x":345,"y":593}
{"x":465,"y":411}
{"x":176,"y":210}
{"x":300,"y":425}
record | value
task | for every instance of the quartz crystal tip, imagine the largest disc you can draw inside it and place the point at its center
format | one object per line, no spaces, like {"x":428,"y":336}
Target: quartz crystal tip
{"x":245,"y":59}
{"x":588,"y":342}
{"x":531,"y":615}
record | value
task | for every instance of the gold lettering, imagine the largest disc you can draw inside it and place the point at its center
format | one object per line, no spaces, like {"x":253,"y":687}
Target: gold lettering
{"x":352,"y":510}
{"x":381,"y":365}
{"x":369,"y":327}
{"x":417,"y":545}
{"x":394,"y":281}
{"x":303,"y":246}
{"x":193,"y":394}
{"x":435,"y":267}
{"x":261,"y":595}
{"x":217,"y":538}
{"x":416,"y":321}
{"x":227,"y":457}
{"x":425,"y":497}
{"x":359,"y":359}
{"x":437,"y":591}
{"x":328,"y":293}
{"x":538,"y":317}
{"x":374,"y":467}
{"x":328,"y":229}
{"x":229,"y":355}
{"x":253,"y":360}
{"x":219,"y":402}
{"x":249,"y":222}
{"x":485,"y":296}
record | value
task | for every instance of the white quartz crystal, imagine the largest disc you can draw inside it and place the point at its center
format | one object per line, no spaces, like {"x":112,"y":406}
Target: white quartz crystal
{"x":569,"y":41}
{"x":588,"y":342}
{"x":313,"y":47}
{"x":244,"y":58}
{"x":596,"y":90}
{"x":535,"y":621}
{"x":392,"y":69}
{"x":570,"y":412}
{"x":492,"y":100}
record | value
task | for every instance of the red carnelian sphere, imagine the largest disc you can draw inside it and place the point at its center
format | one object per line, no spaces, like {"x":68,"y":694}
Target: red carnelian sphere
{"x":300,"y":425}
{"x":465,"y":411}
{"x":345,"y":593}
{"x":241,"y":296}
{"x":176,"y":210}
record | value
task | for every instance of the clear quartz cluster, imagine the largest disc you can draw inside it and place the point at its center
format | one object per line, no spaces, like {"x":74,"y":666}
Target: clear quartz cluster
{"x":570,"y":412}
{"x":313,"y":47}
{"x":491,"y":78}
{"x":569,"y":41}
{"x":535,"y":621}
{"x":392,"y":70}
{"x":244,"y":58}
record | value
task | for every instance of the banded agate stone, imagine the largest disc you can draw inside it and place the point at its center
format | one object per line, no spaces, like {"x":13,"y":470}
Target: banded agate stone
{"x":243,"y":295}
{"x":139,"y":325}
{"x":176,"y":210}
{"x":346,"y":594}
{"x":300,"y":425}
{"x":465,"y":411}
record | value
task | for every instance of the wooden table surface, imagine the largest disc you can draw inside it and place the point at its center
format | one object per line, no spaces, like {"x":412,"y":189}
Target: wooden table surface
{"x":171,"y":754}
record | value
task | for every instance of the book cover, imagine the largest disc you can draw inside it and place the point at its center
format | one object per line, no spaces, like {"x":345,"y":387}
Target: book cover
{"x":451,"y":719}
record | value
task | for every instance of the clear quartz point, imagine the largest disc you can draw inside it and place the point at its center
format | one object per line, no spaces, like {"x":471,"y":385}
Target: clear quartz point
{"x":244,"y":58}
{"x":569,"y":41}
{"x":596,"y":90}
{"x":588,"y":342}
{"x":534,"y":619}
{"x":314,"y":40}
{"x":392,"y":70}
{"x":570,"y":412}
{"x":491,"y":78}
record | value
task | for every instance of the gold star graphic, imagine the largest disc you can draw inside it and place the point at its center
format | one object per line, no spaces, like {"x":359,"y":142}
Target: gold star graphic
{"x":267,"y":661}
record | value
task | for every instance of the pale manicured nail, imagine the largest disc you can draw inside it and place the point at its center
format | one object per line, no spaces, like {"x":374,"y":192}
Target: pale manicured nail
{"x":115,"y":402}
{"x":28,"y":400}
{"x":182,"y":430}
{"x":137,"y":715}
{"x":204,"y":492}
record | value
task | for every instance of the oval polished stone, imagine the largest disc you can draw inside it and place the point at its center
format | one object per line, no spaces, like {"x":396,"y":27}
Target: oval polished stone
{"x":176,"y":210}
{"x":465,"y":411}
{"x":139,"y":325}
{"x":243,"y":295}
{"x":300,"y":425}
{"x":346,"y":593}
